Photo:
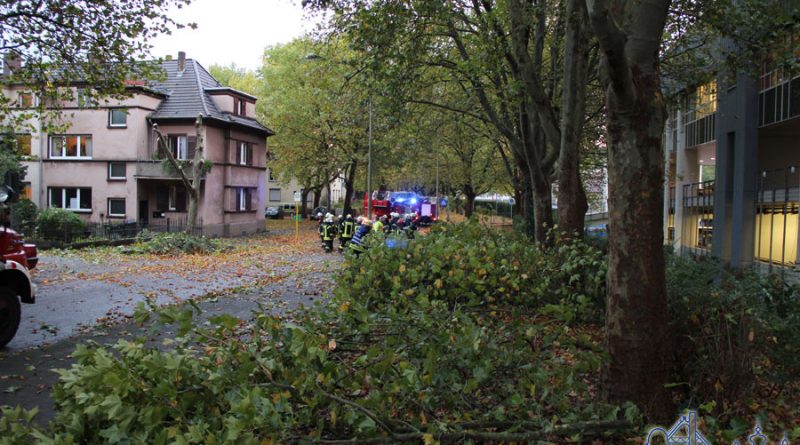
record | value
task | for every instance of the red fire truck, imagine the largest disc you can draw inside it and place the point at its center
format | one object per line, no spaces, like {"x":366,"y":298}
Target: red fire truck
{"x":402,"y":202}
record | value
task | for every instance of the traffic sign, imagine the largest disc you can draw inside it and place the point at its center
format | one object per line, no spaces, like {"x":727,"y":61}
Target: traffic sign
{"x":296,"y":196}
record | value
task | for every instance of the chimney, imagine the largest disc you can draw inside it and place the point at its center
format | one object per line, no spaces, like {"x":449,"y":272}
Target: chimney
{"x":181,"y":60}
{"x":11,"y":62}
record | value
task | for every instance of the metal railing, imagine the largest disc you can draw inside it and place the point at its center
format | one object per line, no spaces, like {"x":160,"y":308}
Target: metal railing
{"x":109,"y":231}
{"x":698,"y":217}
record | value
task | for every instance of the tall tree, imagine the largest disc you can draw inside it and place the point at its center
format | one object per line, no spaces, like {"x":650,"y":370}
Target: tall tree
{"x":506,"y":54}
{"x":190,"y":172}
{"x":636,"y":336}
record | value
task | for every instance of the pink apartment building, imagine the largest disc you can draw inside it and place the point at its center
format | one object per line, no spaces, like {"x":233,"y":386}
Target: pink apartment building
{"x":105,"y":167}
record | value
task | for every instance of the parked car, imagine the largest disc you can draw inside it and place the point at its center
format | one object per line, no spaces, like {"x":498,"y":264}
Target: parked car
{"x":274,"y":212}
{"x":317,"y":211}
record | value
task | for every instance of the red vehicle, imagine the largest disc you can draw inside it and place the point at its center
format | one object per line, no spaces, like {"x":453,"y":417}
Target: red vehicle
{"x":16,"y":258}
{"x":387,"y":202}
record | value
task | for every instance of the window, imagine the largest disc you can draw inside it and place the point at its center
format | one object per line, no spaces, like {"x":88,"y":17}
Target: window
{"x":274,"y":194}
{"x":70,"y":198}
{"x":239,"y":106}
{"x":116,"y":207}
{"x":24,"y":144}
{"x":71,"y":146}
{"x":25,"y":100}
{"x":182,"y":146}
{"x":118,"y":117}
{"x":116,"y":171}
{"x":85,"y":98}
{"x":271,"y":176}
{"x":243,"y":199}
{"x":177,"y":198}
{"x":244,"y":154}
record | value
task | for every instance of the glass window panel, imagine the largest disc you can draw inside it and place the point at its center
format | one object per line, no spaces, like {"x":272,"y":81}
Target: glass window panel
{"x":116,"y":170}
{"x":71,"y":198}
{"x":72,"y":146}
{"x":56,"y":198}
{"x":118,"y":117}
{"x":274,"y":194}
{"x":116,"y":206}
{"x":85,"y":198}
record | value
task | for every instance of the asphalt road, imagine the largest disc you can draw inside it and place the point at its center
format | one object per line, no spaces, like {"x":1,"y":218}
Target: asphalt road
{"x":91,"y":296}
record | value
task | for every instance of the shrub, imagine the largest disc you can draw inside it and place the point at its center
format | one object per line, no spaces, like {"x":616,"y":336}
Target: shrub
{"x":477,"y":266}
{"x":59,"y":225}
{"x":174,"y":242}
{"x":23,"y":215}
{"x":732,"y":330}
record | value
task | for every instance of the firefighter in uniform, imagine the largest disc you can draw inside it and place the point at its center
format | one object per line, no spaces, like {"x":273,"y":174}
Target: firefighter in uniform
{"x":327,"y":231}
{"x":347,"y":229}
{"x":357,"y":244}
{"x":377,"y":226}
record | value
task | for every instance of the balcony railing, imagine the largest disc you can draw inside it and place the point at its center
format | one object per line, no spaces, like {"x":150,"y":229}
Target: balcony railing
{"x":701,"y":130}
{"x":698,"y":217}
{"x":154,"y":169}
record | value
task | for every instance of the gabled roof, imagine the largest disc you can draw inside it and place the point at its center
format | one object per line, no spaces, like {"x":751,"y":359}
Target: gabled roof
{"x":187,"y":96}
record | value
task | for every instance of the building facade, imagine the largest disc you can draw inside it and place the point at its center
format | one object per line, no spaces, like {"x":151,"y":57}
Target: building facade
{"x":106,"y":166}
{"x":733,"y":169}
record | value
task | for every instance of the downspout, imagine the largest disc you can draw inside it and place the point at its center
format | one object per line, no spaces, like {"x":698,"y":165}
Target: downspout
{"x":40,"y":185}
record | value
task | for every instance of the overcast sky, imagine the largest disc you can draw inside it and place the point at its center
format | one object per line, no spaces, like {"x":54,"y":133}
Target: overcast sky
{"x":232,"y":31}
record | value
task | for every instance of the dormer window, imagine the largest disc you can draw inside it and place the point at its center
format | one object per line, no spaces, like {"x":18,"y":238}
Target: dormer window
{"x":239,"y":106}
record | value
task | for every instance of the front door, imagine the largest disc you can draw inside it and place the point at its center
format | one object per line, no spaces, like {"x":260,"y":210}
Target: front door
{"x":144,"y":210}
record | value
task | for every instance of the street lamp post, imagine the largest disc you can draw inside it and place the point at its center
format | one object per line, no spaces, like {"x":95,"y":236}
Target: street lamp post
{"x":369,"y":160}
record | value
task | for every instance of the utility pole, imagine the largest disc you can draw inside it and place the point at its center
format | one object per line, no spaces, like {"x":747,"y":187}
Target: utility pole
{"x":369,"y":161}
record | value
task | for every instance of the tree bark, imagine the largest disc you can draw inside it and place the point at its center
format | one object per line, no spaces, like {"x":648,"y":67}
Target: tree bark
{"x":317,"y":197}
{"x":192,"y":185}
{"x":542,"y":211}
{"x":469,"y":201}
{"x":304,"y":202}
{"x":636,"y":335}
{"x":349,"y":184}
{"x":572,"y":204}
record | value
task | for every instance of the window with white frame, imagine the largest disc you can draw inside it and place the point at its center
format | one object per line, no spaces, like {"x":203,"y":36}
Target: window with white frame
{"x":118,"y":117}
{"x":116,"y":171}
{"x":243,"y":199}
{"x":244,"y":156}
{"x":71,"y":146}
{"x":275,"y":195}
{"x":116,"y":207}
{"x":77,"y":199}
{"x":179,"y":145}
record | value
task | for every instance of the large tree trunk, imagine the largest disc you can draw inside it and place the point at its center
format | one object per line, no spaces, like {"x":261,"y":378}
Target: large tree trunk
{"x":304,"y":202}
{"x":192,"y":185}
{"x":636,"y":335}
{"x":469,"y":201}
{"x":572,"y":204}
{"x":317,"y":197}
{"x":349,"y":181}
{"x":542,"y":210}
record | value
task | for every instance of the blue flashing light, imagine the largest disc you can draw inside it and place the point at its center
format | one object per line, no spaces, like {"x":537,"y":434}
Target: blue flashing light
{"x":413,"y":200}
